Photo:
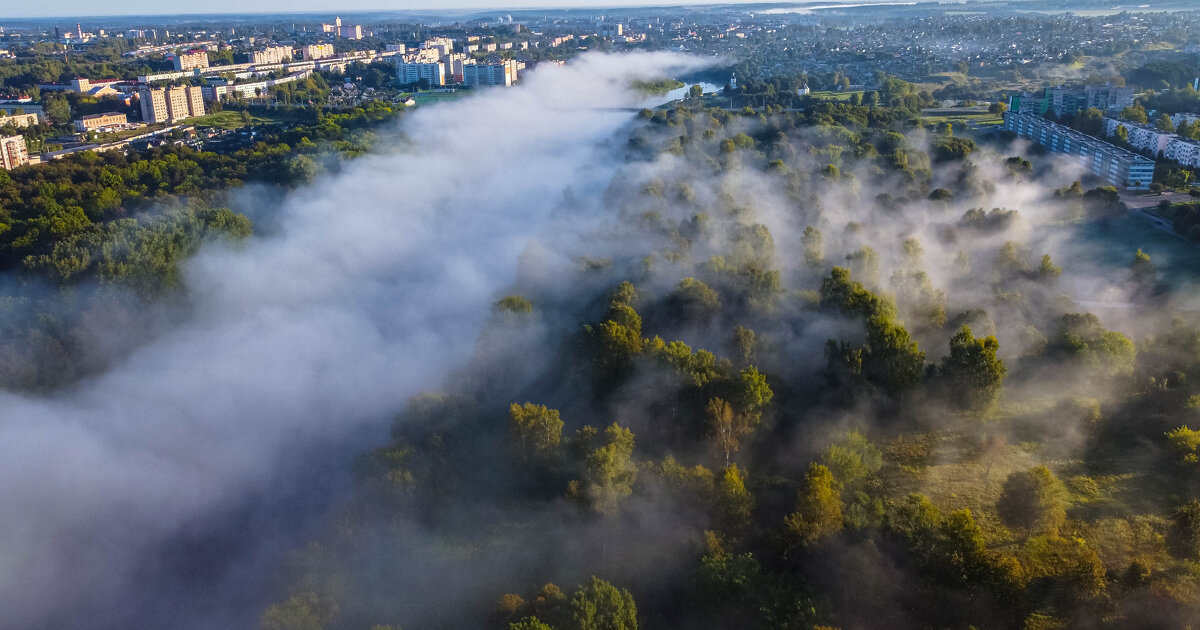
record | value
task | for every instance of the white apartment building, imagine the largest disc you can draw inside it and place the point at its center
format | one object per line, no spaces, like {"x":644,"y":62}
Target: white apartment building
{"x":1141,"y":137}
{"x":317,"y":51}
{"x":398,"y":48}
{"x":190,"y":60}
{"x":17,"y":120}
{"x":12,"y":152}
{"x":412,"y":72}
{"x":1184,"y":151}
{"x":1190,"y":119}
{"x":444,"y":45}
{"x":478,"y":74}
{"x":273,"y":54}
{"x":350,"y":31}
{"x":171,"y":104}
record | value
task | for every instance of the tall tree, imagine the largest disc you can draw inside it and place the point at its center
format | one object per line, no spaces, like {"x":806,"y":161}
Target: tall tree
{"x":972,"y":374}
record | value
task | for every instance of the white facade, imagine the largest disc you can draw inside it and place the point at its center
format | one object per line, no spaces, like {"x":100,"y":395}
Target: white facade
{"x":13,"y":152}
{"x":1141,"y":137}
{"x":1186,"y":152}
{"x":408,"y":73}
{"x":503,"y":73}
{"x":317,"y":51}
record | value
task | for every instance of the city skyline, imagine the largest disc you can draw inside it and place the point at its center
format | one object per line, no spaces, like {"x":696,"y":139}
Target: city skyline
{"x":81,"y":10}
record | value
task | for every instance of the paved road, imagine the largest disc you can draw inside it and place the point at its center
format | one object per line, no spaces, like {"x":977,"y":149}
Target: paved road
{"x":1140,"y":201}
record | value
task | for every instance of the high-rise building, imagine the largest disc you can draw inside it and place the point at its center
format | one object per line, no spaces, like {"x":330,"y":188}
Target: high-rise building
{"x":479,"y":74}
{"x":411,"y":72}
{"x":350,"y":31}
{"x":1111,"y":163}
{"x":13,"y":152}
{"x":171,"y":104}
{"x":191,"y":60}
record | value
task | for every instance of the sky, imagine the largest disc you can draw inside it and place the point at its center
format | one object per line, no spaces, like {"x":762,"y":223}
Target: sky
{"x":72,"y":8}
{"x":67,"y":8}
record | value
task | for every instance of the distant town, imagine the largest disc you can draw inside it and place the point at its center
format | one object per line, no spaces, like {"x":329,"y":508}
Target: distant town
{"x":113,"y":84}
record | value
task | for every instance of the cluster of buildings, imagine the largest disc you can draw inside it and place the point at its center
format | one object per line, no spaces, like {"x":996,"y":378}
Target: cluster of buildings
{"x":437,"y":63}
{"x":1119,"y":167}
{"x":171,"y":103}
{"x":347,"y":31}
{"x":1158,"y":142}
{"x":1066,"y":100}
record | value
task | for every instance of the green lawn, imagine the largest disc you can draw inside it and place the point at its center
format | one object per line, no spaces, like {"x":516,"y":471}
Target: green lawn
{"x":230,"y":119}
{"x":831,"y":95}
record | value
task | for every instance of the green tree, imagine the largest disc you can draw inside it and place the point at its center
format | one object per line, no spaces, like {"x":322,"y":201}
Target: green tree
{"x":598,"y":605}
{"x":814,"y":247}
{"x":1164,"y":123}
{"x":997,"y":108}
{"x":853,"y":459}
{"x":529,"y":623}
{"x":609,"y":470}
{"x":1141,"y":268}
{"x":734,"y":501}
{"x":535,"y":432}
{"x":972,"y":374}
{"x":1033,"y":501}
{"x":818,"y":508}
{"x":1135,"y":113}
{"x":1183,"y":538}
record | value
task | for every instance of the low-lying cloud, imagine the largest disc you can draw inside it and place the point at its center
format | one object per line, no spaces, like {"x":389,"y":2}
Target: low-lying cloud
{"x":375,"y":286}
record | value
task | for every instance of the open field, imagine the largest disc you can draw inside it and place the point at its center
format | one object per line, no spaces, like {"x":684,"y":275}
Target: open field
{"x":230,"y":119}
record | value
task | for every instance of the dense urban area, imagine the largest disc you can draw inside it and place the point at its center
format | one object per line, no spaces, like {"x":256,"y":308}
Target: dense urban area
{"x":728,"y":316}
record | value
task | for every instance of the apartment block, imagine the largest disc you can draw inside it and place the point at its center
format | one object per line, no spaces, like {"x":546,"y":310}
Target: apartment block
{"x":317,"y":51}
{"x":12,"y":152}
{"x":350,"y":31}
{"x":18,"y":120}
{"x":434,"y":72}
{"x":171,"y":104}
{"x":273,"y":54}
{"x":1184,"y":151}
{"x":479,"y":74}
{"x":191,"y":60}
{"x":100,"y":121}
{"x":1108,"y":162}
{"x":1141,"y":137}
{"x":443,"y":45}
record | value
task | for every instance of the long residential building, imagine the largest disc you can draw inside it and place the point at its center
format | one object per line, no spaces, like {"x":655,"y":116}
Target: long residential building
{"x":1152,"y":140}
{"x":171,"y":104}
{"x":18,"y":120}
{"x":1184,"y":151}
{"x":1118,"y":167}
{"x":190,"y":60}
{"x":100,"y":121}
{"x":317,"y":51}
{"x":12,"y":152}
{"x":274,"y":54}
